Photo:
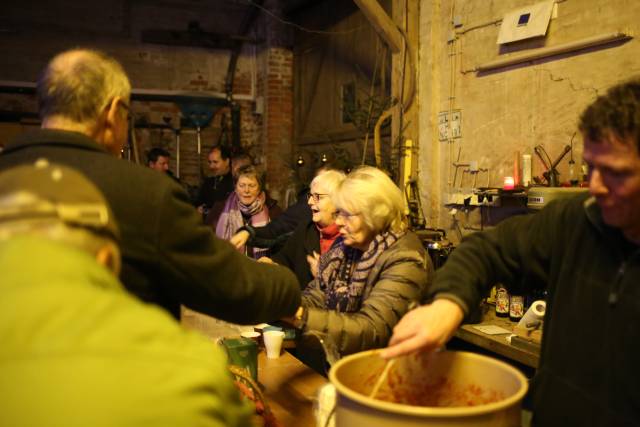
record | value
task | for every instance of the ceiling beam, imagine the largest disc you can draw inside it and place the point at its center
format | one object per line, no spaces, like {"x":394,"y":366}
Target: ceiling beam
{"x":382,"y":23}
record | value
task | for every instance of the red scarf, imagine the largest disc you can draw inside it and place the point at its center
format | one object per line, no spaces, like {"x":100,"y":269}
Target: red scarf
{"x":327,"y":235}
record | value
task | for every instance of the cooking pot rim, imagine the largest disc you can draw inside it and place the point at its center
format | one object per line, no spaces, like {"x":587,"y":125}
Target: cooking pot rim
{"x":431,"y":411}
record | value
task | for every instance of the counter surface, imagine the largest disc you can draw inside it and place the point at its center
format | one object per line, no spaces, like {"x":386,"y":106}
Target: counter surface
{"x":498,"y":343}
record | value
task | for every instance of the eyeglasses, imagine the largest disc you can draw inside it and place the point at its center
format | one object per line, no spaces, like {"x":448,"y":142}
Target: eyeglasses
{"x":344,"y":215}
{"x":316,"y":196}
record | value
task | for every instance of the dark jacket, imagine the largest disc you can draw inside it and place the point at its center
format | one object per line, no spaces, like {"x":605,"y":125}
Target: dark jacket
{"x":400,"y":275}
{"x":214,"y":189}
{"x":169,"y":256}
{"x":589,"y":370}
{"x":304,"y":241}
{"x":278,"y":231}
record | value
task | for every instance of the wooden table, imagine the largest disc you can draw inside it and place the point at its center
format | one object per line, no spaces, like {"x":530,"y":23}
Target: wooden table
{"x":498,"y":343}
{"x":289,"y":385}
{"x":290,"y":388}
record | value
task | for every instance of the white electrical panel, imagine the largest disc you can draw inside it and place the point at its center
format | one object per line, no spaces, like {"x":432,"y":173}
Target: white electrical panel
{"x":526,"y":22}
{"x":443,"y":126}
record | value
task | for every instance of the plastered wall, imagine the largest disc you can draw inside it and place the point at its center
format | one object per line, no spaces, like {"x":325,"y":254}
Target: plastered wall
{"x":510,"y":110}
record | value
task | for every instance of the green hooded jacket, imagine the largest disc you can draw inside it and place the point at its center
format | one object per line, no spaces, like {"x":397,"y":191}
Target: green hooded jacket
{"x":78,"y":350}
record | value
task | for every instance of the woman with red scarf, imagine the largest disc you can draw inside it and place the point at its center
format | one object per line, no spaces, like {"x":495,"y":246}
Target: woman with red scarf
{"x":248,"y":204}
{"x":313,"y":238}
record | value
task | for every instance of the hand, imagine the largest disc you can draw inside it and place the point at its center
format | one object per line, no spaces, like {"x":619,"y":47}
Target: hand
{"x":239,"y":239}
{"x":313,"y":263}
{"x":425,"y":329}
{"x":265,"y":260}
{"x":201,"y":209}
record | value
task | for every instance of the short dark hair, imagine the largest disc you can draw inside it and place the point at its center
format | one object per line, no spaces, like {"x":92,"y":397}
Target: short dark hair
{"x":78,"y":84}
{"x":617,"y":112}
{"x":225,"y":153}
{"x":241,"y":155}
{"x":155,"y":152}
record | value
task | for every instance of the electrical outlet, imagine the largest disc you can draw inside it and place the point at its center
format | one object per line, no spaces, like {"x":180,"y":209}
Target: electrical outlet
{"x":456,"y":124}
{"x":443,"y":126}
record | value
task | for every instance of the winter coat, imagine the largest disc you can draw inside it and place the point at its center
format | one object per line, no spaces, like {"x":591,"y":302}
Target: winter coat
{"x":78,"y":350}
{"x":169,"y":257}
{"x":400,"y":275}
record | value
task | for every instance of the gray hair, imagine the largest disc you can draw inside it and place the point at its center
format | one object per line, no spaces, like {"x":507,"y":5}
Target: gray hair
{"x":78,"y":84}
{"x":371,"y":193}
{"x":331,"y":179}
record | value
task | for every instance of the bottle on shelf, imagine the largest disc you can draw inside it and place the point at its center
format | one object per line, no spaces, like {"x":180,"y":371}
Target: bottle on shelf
{"x":516,"y":307}
{"x":502,"y":301}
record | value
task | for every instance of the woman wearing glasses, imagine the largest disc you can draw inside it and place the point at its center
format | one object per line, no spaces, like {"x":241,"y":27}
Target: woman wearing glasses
{"x":248,"y":204}
{"x":373,"y":271}
{"x":312,"y":238}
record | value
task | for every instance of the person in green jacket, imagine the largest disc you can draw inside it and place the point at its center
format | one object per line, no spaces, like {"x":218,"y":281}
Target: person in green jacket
{"x":78,"y":349}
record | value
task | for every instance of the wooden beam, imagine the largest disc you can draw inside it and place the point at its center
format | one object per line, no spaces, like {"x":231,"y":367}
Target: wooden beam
{"x":382,"y":23}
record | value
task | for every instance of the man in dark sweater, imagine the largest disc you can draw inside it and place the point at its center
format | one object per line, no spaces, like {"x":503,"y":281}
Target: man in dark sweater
{"x":169,"y":257}
{"x":219,"y":185}
{"x":586,"y":252}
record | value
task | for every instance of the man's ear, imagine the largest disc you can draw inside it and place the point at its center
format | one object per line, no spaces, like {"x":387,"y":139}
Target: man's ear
{"x":108,"y":257}
{"x":108,"y":135}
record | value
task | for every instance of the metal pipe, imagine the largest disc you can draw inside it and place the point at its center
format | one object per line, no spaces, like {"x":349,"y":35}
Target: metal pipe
{"x":554,"y":50}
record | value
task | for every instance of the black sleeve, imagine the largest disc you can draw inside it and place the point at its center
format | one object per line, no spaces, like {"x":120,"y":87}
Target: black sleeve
{"x":207,"y":274}
{"x":298,"y":213}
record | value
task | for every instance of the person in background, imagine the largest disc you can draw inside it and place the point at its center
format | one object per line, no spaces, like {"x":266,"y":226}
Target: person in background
{"x":248,"y":204}
{"x":77,"y":349}
{"x":373,"y":271}
{"x":219,"y":185}
{"x":169,"y":257}
{"x":313,"y":238}
{"x":158,"y":159}
{"x":585,"y":251}
{"x":239,"y":160}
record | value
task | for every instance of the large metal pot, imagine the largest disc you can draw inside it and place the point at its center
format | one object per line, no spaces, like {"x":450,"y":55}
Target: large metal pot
{"x":464,"y":376}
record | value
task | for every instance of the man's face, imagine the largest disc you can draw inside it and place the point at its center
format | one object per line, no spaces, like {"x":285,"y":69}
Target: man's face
{"x":218,"y":165}
{"x":161,"y":164}
{"x":614,"y":180}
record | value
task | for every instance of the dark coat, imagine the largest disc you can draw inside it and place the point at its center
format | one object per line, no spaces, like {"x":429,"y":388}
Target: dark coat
{"x":169,"y":256}
{"x":304,"y":241}
{"x":215,"y":189}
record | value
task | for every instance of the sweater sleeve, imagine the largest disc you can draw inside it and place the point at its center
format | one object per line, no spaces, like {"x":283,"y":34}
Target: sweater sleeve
{"x":207,"y":274}
{"x":518,"y":253}
{"x":402,"y":279}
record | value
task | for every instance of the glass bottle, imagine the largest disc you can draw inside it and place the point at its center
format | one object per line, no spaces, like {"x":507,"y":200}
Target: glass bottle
{"x":516,"y":308}
{"x":502,"y":301}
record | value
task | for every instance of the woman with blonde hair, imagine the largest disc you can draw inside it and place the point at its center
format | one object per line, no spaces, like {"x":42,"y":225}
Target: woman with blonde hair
{"x":374,"y":270}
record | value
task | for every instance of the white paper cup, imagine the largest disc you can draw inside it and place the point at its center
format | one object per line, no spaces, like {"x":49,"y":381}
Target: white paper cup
{"x":273,"y":343}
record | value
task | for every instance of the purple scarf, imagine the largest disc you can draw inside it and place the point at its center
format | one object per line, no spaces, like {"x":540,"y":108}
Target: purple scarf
{"x":231,"y":218}
{"x":343,"y":271}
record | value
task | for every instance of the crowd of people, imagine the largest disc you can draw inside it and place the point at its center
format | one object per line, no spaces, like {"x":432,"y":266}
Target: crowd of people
{"x":94,"y":275}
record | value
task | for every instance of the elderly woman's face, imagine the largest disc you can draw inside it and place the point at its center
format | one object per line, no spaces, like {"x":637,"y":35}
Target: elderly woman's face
{"x":322,"y":207}
{"x":353,"y":229}
{"x":247,"y":189}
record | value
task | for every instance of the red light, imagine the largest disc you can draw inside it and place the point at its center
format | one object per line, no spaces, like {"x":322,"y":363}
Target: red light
{"x":509,"y":183}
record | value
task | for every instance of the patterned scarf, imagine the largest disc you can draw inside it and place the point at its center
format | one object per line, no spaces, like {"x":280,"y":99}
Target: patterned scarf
{"x":233,"y":217}
{"x":343,"y":271}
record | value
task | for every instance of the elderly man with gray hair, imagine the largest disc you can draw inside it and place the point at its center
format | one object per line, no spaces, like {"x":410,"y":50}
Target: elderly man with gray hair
{"x":168,"y":256}
{"x":77,"y":349}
